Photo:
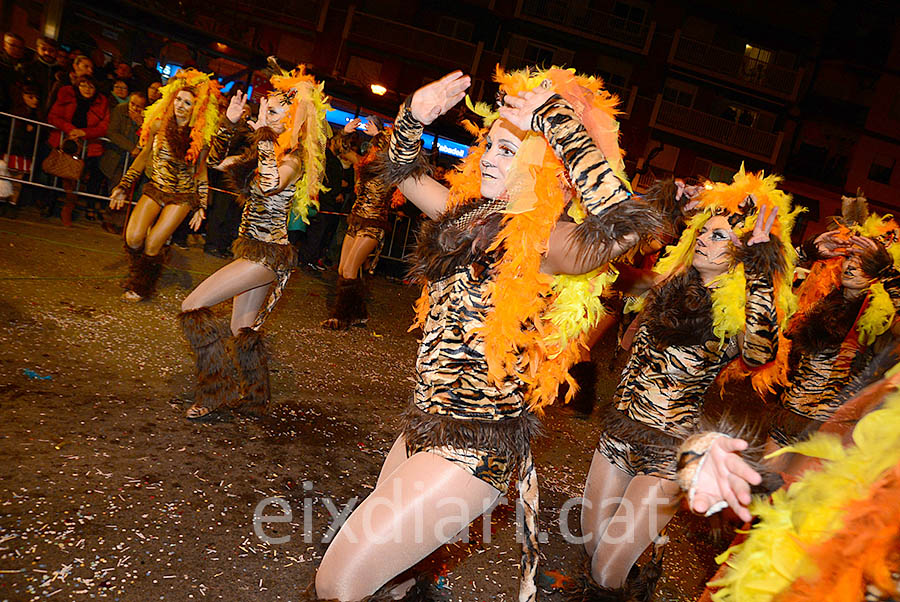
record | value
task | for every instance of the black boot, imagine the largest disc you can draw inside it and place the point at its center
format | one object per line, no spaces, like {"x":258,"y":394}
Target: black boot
{"x":216,"y":385}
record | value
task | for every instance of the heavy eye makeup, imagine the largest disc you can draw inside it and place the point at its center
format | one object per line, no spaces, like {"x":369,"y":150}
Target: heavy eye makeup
{"x":507,"y":148}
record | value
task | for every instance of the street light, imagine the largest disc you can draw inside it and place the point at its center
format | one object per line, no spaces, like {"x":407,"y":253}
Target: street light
{"x":378,"y":89}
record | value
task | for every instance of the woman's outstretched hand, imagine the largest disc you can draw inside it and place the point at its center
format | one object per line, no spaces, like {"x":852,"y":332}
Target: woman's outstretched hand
{"x":236,"y":107}
{"x":723,"y":479}
{"x":433,"y":100}
{"x":262,"y":118}
{"x":116,"y":198}
{"x":197,"y":219}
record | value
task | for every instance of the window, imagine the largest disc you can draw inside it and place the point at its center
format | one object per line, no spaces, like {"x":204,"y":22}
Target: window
{"x":756,"y":61}
{"x":536,"y":54}
{"x":720,"y":173}
{"x":740,"y":115}
{"x":881,"y":170}
{"x":363,"y":70}
{"x":679,"y":93}
{"x":456,"y":28}
{"x":628,"y":17}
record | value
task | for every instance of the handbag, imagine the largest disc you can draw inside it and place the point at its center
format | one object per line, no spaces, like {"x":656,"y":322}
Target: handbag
{"x":64,"y":162}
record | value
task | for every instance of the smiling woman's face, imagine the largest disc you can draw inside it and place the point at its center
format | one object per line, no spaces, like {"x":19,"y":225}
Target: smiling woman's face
{"x":502,"y":145}
{"x":711,"y":253}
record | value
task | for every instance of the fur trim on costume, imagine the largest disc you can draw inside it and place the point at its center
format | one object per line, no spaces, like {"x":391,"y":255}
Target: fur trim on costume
{"x":442,"y":246}
{"x":594,"y":236}
{"x":216,"y":384}
{"x":510,"y":438}
{"x":638,"y":434}
{"x":639,"y":586}
{"x":662,"y":196}
{"x":392,"y":174}
{"x":272,"y":255}
{"x":239,"y":174}
{"x":350,"y":304}
{"x":163,"y":198}
{"x":144,"y":272}
{"x":762,"y":259}
{"x":680,"y":311}
{"x":252,"y":359}
{"x":877,"y":263}
{"x":824,"y":326}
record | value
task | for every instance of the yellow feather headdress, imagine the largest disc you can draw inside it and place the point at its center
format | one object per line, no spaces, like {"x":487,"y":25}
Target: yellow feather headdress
{"x":306,"y":133}
{"x":204,"y":118}
{"x":729,"y":294}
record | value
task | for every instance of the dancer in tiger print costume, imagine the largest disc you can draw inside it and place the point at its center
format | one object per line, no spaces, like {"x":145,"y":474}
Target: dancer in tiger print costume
{"x":480,"y":376}
{"x":849,"y":299}
{"x":367,"y":226}
{"x":716,"y":306}
{"x":174,"y":140}
{"x":280,"y":173}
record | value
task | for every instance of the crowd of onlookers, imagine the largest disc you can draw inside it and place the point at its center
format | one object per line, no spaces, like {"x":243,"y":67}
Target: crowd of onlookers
{"x":96,"y":106}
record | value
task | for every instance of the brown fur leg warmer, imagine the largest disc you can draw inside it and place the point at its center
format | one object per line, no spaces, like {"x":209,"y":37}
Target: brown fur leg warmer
{"x":143,"y":271}
{"x":350,"y":305}
{"x":216,"y":384}
{"x":253,"y":367}
{"x":639,"y":586}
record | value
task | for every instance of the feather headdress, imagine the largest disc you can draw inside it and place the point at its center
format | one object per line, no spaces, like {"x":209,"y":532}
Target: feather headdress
{"x":306,"y":132}
{"x":204,"y":118}
{"x":742,"y":201}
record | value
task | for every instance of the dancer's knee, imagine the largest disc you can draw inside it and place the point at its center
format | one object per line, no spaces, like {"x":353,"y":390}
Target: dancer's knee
{"x":337,"y":581}
{"x":133,"y":238}
{"x":153,"y":245}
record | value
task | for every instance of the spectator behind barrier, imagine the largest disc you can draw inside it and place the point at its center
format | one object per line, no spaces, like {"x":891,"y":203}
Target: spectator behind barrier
{"x":81,"y":66}
{"x":43,"y":69}
{"x":81,"y":115}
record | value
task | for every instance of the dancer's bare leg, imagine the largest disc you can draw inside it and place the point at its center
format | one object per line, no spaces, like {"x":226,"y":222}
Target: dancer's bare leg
{"x":169,"y":219}
{"x":603,"y":491}
{"x":346,"y":245}
{"x":142,"y":217}
{"x":361,"y":248}
{"x":237,"y":277}
{"x":648,"y":504}
{"x":422,"y":505}
{"x":394,"y":459}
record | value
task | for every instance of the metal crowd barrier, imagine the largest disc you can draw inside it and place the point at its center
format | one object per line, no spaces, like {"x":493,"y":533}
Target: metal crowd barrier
{"x":395,"y":247}
{"x":33,"y":167}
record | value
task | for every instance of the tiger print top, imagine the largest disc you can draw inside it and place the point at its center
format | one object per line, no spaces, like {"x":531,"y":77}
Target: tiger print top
{"x":373,"y":194}
{"x":266,"y":210}
{"x":451,"y":368}
{"x":826,"y":353}
{"x":168,"y":174}
{"x":663,"y":383}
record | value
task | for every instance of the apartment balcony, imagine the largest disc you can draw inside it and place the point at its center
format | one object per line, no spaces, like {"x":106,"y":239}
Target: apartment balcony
{"x":408,"y":41}
{"x":717,"y":132}
{"x":735,"y":68}
{"x":588,"y":23}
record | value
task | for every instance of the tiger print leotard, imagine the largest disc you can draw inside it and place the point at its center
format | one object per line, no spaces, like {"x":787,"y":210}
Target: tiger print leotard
{"x":171,"y":181}
{"x":660,"y":395}
{"x":262,"y":235}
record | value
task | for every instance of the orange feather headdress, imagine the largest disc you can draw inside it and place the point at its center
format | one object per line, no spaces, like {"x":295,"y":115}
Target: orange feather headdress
{"x":204,"y":118}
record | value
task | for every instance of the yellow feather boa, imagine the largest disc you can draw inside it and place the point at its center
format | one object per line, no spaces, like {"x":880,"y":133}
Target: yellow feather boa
{"x":774,"y":555}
